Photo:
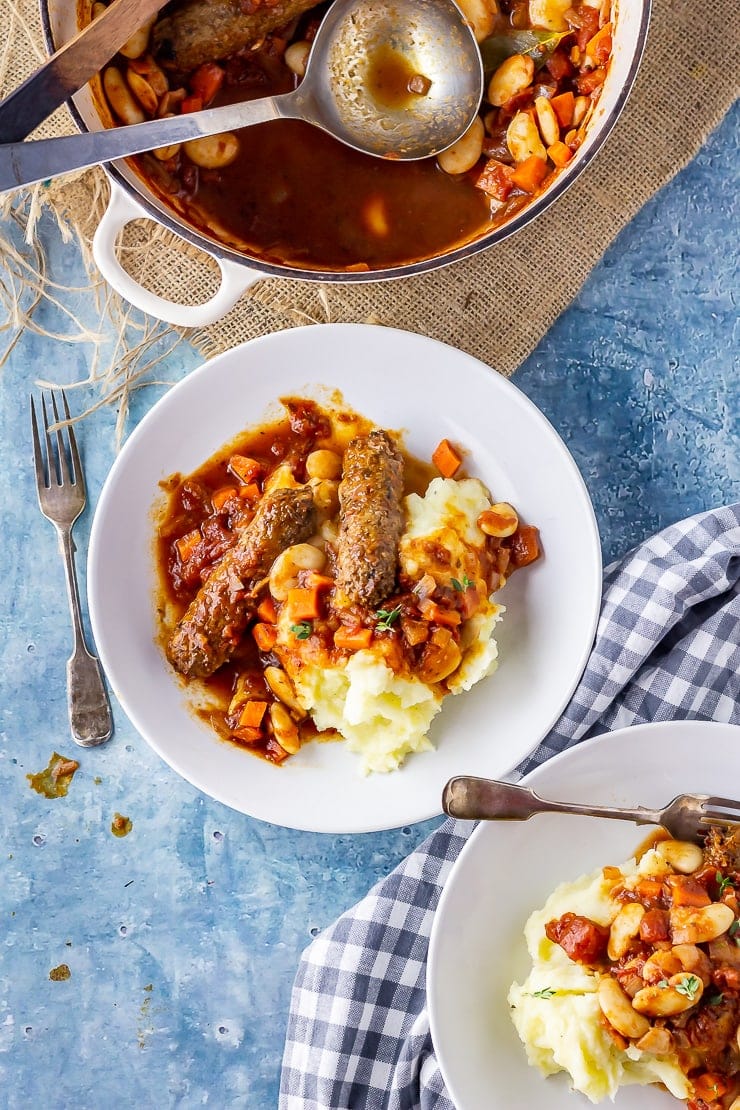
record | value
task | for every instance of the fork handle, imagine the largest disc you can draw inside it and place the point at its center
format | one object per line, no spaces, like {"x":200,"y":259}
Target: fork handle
{"x":90,"y":718}
{"x":477,"y":799}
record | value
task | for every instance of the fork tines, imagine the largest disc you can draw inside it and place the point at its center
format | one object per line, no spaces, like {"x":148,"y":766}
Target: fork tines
{"x":721,"y":811}
{"x":55,"y":469}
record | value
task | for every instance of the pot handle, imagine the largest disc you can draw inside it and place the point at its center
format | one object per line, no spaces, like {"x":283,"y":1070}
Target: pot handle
{"x":122,"y":209}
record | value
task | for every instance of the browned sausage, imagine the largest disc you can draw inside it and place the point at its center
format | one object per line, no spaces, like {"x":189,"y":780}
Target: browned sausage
{"x":206,"y":30}
{"x":216,"y":618}
{"x":371,"y":519}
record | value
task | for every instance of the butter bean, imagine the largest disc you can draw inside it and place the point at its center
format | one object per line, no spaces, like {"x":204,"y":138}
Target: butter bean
{"x":462,"y":155}
{"x":213,"y":152}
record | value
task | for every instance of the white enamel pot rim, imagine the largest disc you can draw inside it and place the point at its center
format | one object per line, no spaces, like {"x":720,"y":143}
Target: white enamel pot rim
{"x":131,"y":199}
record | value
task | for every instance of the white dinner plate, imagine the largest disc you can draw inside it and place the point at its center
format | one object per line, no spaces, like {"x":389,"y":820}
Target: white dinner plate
{"x":429,"y":391}
{"x":507,"y":870}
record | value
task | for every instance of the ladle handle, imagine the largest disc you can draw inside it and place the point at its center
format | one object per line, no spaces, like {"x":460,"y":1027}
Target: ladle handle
{"x":29,"y":162}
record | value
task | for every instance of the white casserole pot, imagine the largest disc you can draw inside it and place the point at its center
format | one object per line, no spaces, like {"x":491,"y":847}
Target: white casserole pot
{"x":132,"y":199}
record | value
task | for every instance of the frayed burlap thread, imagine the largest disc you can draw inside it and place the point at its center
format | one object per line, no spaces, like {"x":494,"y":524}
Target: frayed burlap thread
{"x":496,"y":305}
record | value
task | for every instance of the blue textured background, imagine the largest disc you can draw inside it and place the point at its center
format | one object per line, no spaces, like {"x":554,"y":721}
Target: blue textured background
{"x":183,"y":937}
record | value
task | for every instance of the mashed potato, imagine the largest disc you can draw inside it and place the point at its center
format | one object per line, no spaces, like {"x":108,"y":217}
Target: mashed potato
{"x":384,"y":716}
{"x":556,"y":1010}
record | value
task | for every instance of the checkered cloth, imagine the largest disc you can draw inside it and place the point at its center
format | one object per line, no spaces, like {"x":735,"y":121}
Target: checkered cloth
{"x":667,"y":648}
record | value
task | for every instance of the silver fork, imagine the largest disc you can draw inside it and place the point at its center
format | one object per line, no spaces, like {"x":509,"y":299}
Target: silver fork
{"x":61,"y":489}
{"x":687,"y":817}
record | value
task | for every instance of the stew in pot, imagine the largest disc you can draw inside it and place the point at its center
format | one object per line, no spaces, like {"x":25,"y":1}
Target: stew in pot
{"x":289,"y":194}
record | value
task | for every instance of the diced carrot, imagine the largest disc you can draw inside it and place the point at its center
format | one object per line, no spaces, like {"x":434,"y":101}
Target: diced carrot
{"x":559,"y":154}
{"x":600,"y":46}
{"x":267,"y":611}
{"x":248,"y":735}
{"x":317,"y":581}
{"x":446,"y":458}
{"x":206,"y":81}
{"x":244,"y":468}
{"x":437,"y":614}
{"x":586,"y":23}
{"x":191,"y":104}
{"x":530,"y":173}
{"x":495,"y":179}
{"x":353,"y":639}
{"x":648,"y":889}
{"x":709,"y":1086}
{"x":221,"y":496}
{"x":265,"y":636}
{"x":303,"y":604}
{"x":686,"y":891}
{"x":187,"y":544}
{"x":252,"y":714}
{"x":562,"y":106}
{"x":250,"y":492}
{"x":611,"y":872}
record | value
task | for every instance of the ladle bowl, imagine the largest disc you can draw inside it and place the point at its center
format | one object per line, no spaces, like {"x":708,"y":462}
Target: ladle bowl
{"x":366,"y":59}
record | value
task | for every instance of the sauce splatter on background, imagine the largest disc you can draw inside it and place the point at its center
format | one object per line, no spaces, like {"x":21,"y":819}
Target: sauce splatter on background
{"x":120,"y":825}
{"x":54,"y":780}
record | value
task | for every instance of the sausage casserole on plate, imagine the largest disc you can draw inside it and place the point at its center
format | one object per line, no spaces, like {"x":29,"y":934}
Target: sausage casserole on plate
{"x":635,"y":976}
{"x":317,"y":582}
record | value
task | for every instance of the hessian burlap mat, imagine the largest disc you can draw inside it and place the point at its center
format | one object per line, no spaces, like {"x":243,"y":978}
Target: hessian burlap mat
{"x":496,"y":305}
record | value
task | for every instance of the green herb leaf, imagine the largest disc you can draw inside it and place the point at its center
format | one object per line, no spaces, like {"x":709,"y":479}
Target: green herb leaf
{"x":461,"y":586}
{"x":716,"y":999}
{"x":301,"y":631}
{"x":723,"y":883}
{"x":546,"y":992}
{"x":538,"y":44}
{"x":386,"y":617}
{"x":663,"y":984}
{"x":689,"y":987}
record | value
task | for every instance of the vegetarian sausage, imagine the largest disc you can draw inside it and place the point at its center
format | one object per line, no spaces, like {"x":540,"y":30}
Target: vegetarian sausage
{"x":206,"y":30}
{"x":371,"y":518}
{"x":216,"y":618}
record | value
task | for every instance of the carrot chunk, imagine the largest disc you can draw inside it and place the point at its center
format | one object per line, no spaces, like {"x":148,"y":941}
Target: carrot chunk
{"x":709,"y":1087}
{"x":250,"y":492}
{"x":563,"y":106}
{"x":265,"y":636}
{"x":191,"y":104}
{"x":206,"y":81}
{"x":267,"y":611}
{"x":437,"y":614}
{"x":303,"y":604}
{"x":221,"y":496}
{"x":248,"y":735}
{"x":244,"y":468}
{"x":559,"y":154}
{"x":686,"y":891}
{"x":600,"y":46}
{"x":317,"y":581}
{"x":530,"y":173}
{"x":252,"y":714}
{"x":446,"y":459}
{"x":353,"y":639}
{"x":187,"y":544}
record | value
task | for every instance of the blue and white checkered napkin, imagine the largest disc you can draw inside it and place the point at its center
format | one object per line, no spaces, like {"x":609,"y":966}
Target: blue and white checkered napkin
{"x":667,"y":648}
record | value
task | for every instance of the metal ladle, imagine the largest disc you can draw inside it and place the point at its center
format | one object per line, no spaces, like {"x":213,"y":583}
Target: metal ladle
{"x":353,"y":88}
